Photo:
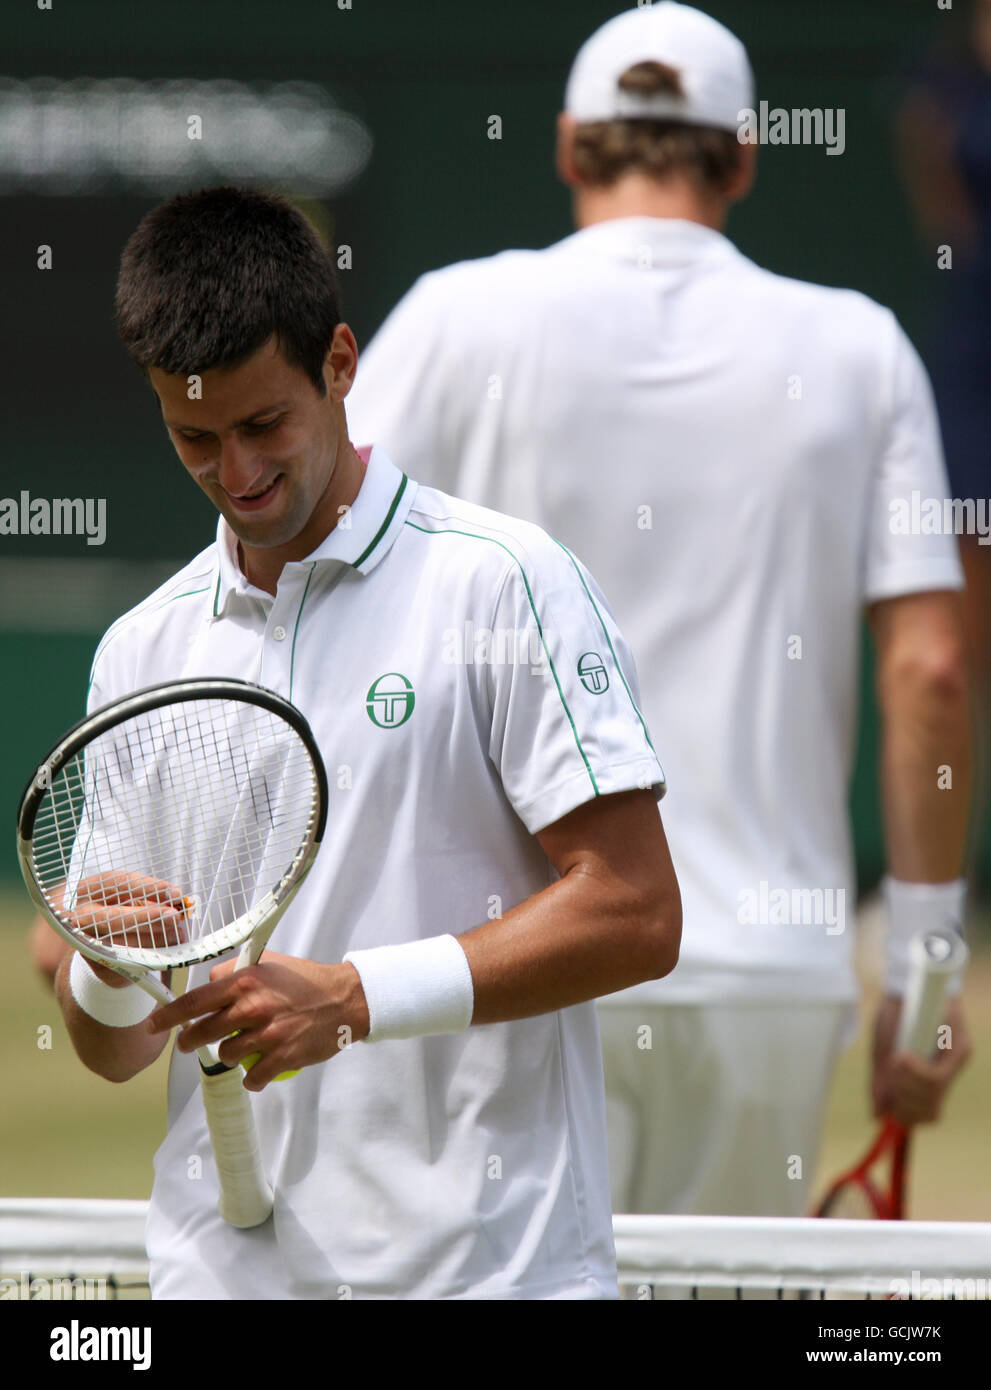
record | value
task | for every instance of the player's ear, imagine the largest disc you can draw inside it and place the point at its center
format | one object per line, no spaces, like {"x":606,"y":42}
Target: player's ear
{"x":340,"y":363}
{"x":563,"y":155}
{"x":743,"y":180}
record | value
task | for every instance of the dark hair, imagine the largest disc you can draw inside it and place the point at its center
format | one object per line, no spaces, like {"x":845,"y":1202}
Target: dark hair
{"x":207,"y":278}
{"x":649,"y":78}
{"x":604,"y":150}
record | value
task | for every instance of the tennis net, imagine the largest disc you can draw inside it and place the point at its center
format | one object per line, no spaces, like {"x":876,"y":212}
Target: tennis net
{"x":52,"y":1248}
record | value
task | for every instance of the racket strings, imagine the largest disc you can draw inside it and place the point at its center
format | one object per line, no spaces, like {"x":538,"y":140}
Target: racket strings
{"x":164,"y":831}
{"x":855,"y":1200}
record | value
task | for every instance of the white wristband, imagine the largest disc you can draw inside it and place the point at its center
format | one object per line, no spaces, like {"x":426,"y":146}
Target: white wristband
{"x":116,"y":1008}
{"x":414,"y":990}
{"x":914,"y":908}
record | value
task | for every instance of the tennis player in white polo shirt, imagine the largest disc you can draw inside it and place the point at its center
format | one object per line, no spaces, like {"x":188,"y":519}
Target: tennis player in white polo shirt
{"x":493,"y":857}
{"x":734,"y":454}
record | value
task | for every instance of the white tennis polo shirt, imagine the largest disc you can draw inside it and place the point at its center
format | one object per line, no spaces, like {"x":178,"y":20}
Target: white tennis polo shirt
{"x":467,"y":686}
{"x":734,"y":455}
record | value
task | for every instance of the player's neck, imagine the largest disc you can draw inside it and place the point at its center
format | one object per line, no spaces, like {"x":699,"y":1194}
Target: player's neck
{"x":262,"y":567}
{"x":636,"y":196}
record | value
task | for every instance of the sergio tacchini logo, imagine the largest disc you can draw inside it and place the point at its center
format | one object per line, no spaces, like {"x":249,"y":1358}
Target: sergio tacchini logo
{"x":390,"y":700}
{"x":593,"y":674}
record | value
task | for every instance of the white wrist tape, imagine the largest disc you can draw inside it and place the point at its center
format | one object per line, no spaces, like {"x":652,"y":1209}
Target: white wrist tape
{"x":914,"y":908}
{"x":414,"y":990}
{"x":116,"y":1008}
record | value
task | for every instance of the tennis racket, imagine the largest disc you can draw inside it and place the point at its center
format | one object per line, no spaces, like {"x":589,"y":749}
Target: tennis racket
{"x":166,"y":829}
{"x":934,"y":958}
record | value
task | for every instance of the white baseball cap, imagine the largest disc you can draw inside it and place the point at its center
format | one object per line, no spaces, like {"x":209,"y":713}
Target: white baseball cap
{"x":712,"y":63}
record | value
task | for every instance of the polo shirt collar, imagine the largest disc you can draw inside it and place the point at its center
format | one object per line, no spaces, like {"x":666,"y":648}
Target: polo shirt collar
{"x":378,"y":514}
{"x":670,"y":240}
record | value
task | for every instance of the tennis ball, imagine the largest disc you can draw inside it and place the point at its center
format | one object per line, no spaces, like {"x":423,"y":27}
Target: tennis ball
{"x":248,"y":1062}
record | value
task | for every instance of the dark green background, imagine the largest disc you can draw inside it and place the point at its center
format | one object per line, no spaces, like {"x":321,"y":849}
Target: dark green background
{"x":424,"y":77}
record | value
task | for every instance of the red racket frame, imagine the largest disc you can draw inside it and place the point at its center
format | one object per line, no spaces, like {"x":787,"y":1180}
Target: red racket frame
{"x":888,"y":1206}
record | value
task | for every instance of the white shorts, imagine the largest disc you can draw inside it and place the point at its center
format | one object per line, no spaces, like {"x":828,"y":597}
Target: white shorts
{"x":718,"y":1108}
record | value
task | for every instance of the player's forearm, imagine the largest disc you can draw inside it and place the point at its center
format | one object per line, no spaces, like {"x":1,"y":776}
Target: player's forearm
{"x":582,"y":937}
{"x":926,"y":769}
{"x":587,"y":934}
{"x":47,"y":950}
{"x":612,"y":919}
{"x":116,"y":1054}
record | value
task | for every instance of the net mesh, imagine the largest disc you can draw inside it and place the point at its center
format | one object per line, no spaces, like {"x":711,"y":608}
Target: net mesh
{"x":59,"y":1249}
{"x":161,"y":837}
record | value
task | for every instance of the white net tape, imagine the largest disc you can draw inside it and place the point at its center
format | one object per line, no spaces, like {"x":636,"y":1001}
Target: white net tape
{"x":42,"y":1239}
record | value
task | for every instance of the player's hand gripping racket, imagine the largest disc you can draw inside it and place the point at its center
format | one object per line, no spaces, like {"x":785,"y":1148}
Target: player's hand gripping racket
{"x":169,"y":828}
{"x":934,"y":958}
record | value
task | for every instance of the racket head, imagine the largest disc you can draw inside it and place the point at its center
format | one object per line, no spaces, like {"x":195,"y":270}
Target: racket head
{"x":854,"y":1199}
{"x":856,"y":1196}
{"x":168,"y":827}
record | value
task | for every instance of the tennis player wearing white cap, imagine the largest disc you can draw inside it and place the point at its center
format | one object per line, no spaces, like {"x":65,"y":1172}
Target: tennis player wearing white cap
{"x":731,"y":452}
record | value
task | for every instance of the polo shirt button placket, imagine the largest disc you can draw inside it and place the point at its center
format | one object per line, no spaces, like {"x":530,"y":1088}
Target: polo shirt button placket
{"x":277,"y":649}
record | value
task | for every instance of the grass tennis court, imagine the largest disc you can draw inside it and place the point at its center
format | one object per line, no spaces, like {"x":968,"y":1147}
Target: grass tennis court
{"x":68,"y":1133}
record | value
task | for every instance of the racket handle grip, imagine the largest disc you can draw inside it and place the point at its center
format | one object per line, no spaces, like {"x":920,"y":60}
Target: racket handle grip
{"x":935,"y":957}
{"x":245,"y":1195}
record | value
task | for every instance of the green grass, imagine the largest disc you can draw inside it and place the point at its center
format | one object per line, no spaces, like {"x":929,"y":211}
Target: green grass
{"x":69,"y":1133}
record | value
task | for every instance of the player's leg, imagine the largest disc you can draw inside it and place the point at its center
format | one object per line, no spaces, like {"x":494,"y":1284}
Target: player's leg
{"x":726,"y":1102}
{"x":733,"y":1104}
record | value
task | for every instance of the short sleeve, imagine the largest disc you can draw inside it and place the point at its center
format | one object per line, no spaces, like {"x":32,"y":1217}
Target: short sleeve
{"x":910,"y":548}
{"x":564,"y":693}
{"x":407,"y":391}
{"x":96,"y":696}
{"x":101,"y":690}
